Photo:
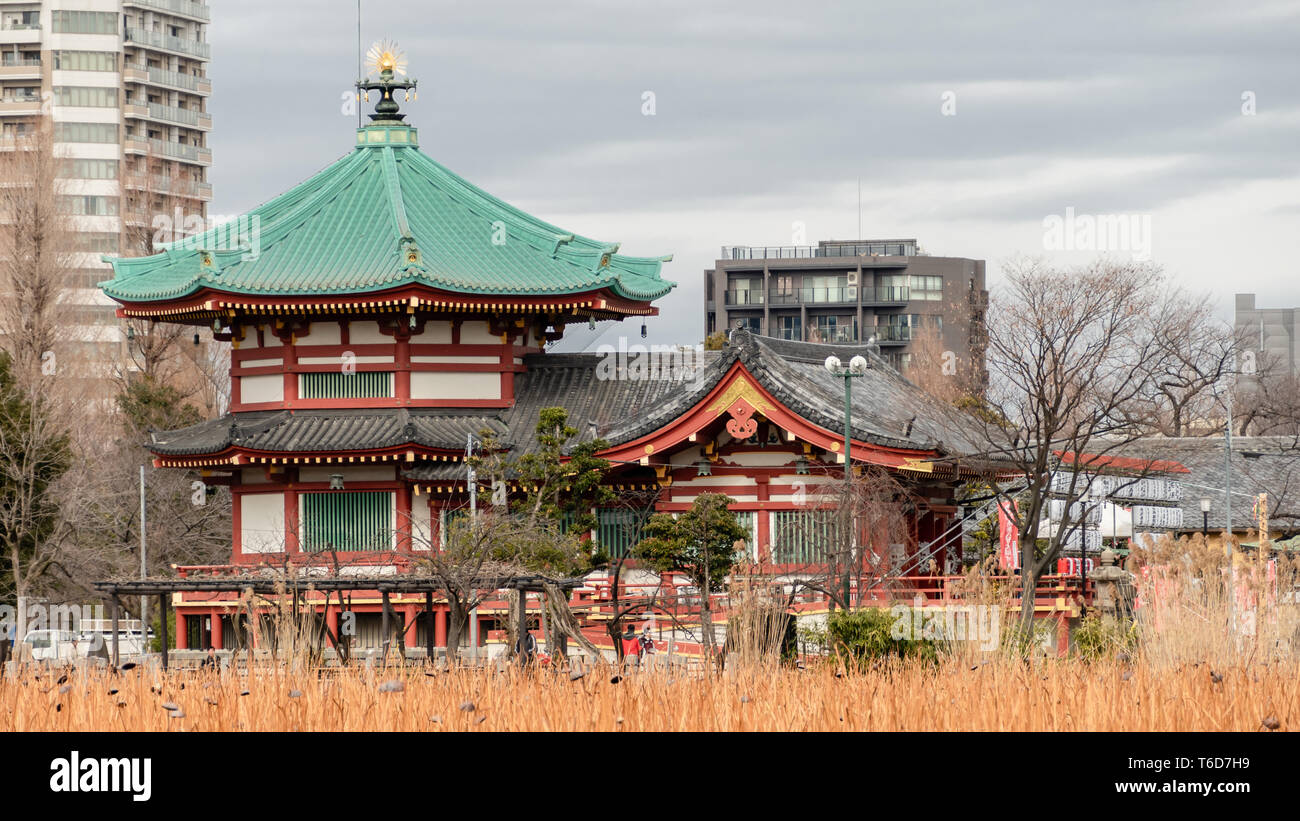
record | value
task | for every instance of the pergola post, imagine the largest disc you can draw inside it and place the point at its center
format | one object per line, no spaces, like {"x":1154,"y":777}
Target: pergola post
{"x":523,"y":627}
{"x":430,"y":624}
{"x":113,"y":609}
{"x":162,"y":626}
{"x":383,"y":629}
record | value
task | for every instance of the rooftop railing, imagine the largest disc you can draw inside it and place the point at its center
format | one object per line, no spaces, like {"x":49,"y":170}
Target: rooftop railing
{"x":187,"y":7}
{"x":892,"y":248}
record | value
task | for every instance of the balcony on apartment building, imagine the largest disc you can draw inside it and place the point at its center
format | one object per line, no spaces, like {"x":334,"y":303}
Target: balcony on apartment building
{"x":20,"y":104}
{"x":163,"y":184}
{"x":20,"y":68}
{"x":181,"y":8}
{"x":16,"y":31}
{"x":893,"y":334}
{"x":166,"y":42}
{"x":840,"y":295}
{"x":135,"y":144}
{"x":169,"y":115}
{"x":135,"y":73}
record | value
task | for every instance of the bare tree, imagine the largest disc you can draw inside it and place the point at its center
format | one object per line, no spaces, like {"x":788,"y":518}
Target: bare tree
{"x":38,"y":372}
{"x":1074,"y":357}
{"x":1197,"y":352}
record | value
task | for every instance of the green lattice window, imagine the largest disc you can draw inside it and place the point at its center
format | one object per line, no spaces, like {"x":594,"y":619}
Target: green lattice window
{"x":338,"y":385}
{"x":347,"y":521}
{"x":804,"y":536}
{"x":618,"y":530}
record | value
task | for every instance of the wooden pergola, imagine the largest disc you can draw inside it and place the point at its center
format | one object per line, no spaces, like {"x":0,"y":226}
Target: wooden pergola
{"x":273,"y":586}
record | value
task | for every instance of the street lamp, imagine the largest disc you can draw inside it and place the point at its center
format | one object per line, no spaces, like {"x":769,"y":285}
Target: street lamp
{"x":857,"y":367}
{"x":1205,"y":518}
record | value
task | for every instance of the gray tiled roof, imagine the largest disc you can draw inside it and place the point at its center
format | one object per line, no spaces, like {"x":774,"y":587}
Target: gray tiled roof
{"x":887,"y":409}
{"x":1260,"y":464}
{"x":318,"y":431}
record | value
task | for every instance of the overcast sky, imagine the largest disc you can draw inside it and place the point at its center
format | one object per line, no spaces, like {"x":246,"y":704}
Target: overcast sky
{"x":768,"y":113}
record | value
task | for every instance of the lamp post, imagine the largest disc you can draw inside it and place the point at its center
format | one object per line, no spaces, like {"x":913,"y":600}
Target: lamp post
{"x":857,"y":367}
{"x":1205,"y":518}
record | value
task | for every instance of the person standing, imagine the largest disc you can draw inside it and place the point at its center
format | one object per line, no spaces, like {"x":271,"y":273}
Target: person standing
{"x":647,"y":645}
{"x":527,"y":646}
{"x":631,"y":647}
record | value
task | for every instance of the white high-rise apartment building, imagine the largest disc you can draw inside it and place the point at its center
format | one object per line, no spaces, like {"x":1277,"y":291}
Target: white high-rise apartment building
{"x":125,"y":83}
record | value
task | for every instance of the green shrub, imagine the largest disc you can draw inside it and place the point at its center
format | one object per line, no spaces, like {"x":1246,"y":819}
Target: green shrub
{"x":1098,"y":638}
{"x":860,"y":636}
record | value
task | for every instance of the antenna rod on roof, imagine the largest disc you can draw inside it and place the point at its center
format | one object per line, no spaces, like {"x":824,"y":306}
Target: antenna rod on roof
{"x":358,"y":60}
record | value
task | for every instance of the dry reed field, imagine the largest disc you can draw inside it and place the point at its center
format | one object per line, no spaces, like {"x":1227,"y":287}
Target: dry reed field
{"x":996,"y":695}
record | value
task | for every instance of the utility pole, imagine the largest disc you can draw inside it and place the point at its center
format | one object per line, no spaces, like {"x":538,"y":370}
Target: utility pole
{"x":1227,"y":480}
{"x":144,"y":574}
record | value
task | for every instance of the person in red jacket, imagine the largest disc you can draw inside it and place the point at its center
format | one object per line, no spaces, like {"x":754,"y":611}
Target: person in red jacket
{"x":631,"y":647}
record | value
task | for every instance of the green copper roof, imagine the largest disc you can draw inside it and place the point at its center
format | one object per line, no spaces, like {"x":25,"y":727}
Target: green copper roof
{"x":384,"y":216}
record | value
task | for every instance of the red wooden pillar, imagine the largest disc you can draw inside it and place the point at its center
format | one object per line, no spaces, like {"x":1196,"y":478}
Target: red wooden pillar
{"x":1062,"y":635}
{"x":411,"y":635}
{"x":440,"y":628}
{"x":182,"y":635}
{"x":332,"y":621}
{"x":218,"y":634}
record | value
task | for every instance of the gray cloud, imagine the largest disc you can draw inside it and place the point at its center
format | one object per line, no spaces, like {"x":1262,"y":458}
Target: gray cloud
{"x":769,"y":112}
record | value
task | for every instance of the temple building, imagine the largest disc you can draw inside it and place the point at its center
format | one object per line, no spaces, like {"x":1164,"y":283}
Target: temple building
{"x":385,"y":311}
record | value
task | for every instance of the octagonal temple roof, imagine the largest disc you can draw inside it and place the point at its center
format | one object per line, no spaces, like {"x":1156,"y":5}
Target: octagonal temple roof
{"x":384,"y":216}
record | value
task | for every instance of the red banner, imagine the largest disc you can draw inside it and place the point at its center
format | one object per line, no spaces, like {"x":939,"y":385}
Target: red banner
{"x":1009,"y":536}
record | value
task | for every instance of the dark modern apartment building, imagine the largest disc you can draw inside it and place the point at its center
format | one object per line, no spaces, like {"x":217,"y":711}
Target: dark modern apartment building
{"x":850,"y":291}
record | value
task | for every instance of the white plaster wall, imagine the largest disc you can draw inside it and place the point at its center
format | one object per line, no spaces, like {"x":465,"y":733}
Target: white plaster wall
{"x":435,"y":333}
{"x":261,"y":522}
{"x":267,"y":388}
{"x":477,"y":333}
{"x":323,"y":333}
{"x":426,"y":385}
{"x":467,"y":360}
{"x":366,"y":333}
{"x":421,"y":523}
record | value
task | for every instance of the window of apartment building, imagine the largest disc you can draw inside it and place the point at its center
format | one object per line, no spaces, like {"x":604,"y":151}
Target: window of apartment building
{"x":896,"y":327}
{"x":746,"y":291}
{"x":822,"y":288}
{"x":788,"y":327}
{"x":84,"y":22}
{"x":16,"y":20}
{"x":90,"y":206}
{"x":98,"y":242}
{"x":65,"y":132}
{"x":86,"y":96}
{"x":92,"y":169}
{"x":14,"y":57}
{"x":337,"y":385}
{"x":15,"y":130}
{"x":347,"y":521}
{"x":838,"y":329}
{"x":892,"y":288}
{"x":18,"y":94}
{"x":926,"y":287}
{"x":86,"y":60}
{"x":88,"y":277}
